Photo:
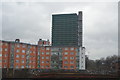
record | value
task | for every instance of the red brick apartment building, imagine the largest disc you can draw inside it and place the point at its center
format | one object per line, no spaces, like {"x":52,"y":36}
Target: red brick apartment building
{"x":15,"y":54}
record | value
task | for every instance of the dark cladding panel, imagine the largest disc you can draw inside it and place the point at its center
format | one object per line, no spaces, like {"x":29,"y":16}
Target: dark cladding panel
{"x":65,"y":30}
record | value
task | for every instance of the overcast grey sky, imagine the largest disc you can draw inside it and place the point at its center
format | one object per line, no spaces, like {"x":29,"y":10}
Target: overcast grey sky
{"x":30,"y":21}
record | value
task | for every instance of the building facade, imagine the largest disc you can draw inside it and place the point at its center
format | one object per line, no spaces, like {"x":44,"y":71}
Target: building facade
{"x":67,"y":29}
{"x":66,"y":51}
{"x":18,"y":55}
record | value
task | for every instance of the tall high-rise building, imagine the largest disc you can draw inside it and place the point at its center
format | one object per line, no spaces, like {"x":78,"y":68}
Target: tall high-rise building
{"x":67,"y":29}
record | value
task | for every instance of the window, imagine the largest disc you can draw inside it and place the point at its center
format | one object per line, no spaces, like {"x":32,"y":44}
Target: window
{"x":65,"y":57}
{"x":18,"y":45}
{"x":72,"y":53}
{"x":34,"y":47}
{"x":4,"y":61}
{"x":43,"y":48}
{"x":71,"y":66}
{"x":17,"y":67}
{"x":71,"y":57}
{"x":5,"y":49}
{"x":42,"y":52}
{"x":42,"y":61}
{"x":23,"y":46}
{"x":66,"y":53}
{"x":23,"y":56}
{"x":0,"y":55}
{"x":5,"y":55}
{"x":22,"y":66}
{"x":0,"y":43}
{"x":47,"y":57}
{"x":66,"y":48}
{"x":33,"y":66}
{"x":0,"y":49}
{"x":47,"y":48}
{"x":38,"y":57}
{"x":47,"y":53}
{"x":47,"y":66}
{"x":33,"y":61}
{"x":38,"y":61}
{"x":4,"y":66}
{"x":23,"y":51}
{"x":5,"y":44}
{"x":12,"y":55}
{"x":54,"y":53}
{"x":34,"y":52}
{"x":38,"y":53}
{"x":29,"y":66}
{"x":42,"y":66}
{"x":71,"y":62}
{"x":22,"y":61}
{"x":0,"y":61}
{"x":47,"y":61}
{"x":30,"y":61}
{"x":66,"y":62}
{"x":17,"y":61}
{"x":65,"y":66}
{"x":71,"y":48}
{"x":30,"y":51}
{"x":17,"y":56}
{"x":42,"y":57}
{"x":17,"y":50}
{"x":30,"y":46}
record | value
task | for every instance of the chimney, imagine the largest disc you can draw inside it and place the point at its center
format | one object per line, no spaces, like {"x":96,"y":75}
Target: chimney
{"x":17,"y":40}
{"x":40,"y":39}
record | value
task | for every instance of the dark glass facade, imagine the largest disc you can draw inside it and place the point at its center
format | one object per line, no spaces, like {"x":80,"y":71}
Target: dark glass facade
{"x":65,"y":30}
